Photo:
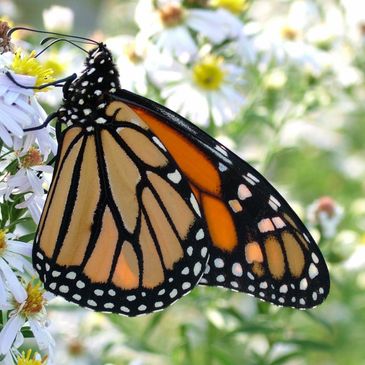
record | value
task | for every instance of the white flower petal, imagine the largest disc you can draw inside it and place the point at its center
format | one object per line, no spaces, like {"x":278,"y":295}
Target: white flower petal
{"x":13,"y":283}
{"x":9,"y":333}
{"x":19,"y":247}
{"x":19,"y":340}
{"x":5,"y":136}
{"x":44,"y":168}
{"x":19,"y":115}
{"x":35,"y":182}
{"x":3,"y":295}
{"x":44,"y":339}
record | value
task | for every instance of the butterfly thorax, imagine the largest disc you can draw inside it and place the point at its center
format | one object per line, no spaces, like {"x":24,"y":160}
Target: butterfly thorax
{"x":87,"y":96}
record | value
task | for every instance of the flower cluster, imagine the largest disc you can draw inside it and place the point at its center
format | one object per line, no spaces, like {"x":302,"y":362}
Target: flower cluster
{"x":183,"y":50}
{"x":25,"y":178}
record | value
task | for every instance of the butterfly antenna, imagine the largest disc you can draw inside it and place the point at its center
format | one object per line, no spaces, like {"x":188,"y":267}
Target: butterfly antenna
{"x":56,"y":40}
{"x":14,"y":29}
{"x":54,"y":83}
{"x":43,"y":125}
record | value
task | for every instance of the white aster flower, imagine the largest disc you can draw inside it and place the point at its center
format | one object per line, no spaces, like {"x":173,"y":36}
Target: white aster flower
{"x":11,"y":358}
{"x":14,"y":261}
{"x":44,"y":138}
{"x":133,"y":57}
{"x":14,"y":357}
{"x":169,"y":24}
{"x":19,"y":109}
{"x":58,"y":19}
{"x":32,"y":311}
{"x":34,"y":203}
{"x":207,"y":91}
{"x":32,"y":175}
{"x":326,"y":213}
{"x":285,"y":42}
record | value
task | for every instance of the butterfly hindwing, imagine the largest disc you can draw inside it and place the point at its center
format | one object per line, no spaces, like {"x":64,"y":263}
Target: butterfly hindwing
{"x":258,"y":244}
{"x":121,"y":230}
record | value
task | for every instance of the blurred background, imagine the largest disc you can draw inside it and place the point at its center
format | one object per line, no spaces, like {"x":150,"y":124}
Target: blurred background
{"x":282,"y":84}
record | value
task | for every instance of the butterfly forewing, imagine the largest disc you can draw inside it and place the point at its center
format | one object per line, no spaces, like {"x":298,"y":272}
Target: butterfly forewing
{"x":258,"y":244}
{"x":121,"y":230}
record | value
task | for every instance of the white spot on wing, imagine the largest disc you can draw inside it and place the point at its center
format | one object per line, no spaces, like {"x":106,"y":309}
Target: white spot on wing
{"x":283,"y":289}
{"x":173,"y":293}
{"x":278,"y":222}
{"x":175,"y":176}
{"x":195,"y":204}
{"x":265,"y":225}
{"x":315,"y":258}
{"x":250,"y":181}
{"x":243,"y":192}
{"x":312,"y":271}
{"x":237,"y":269}
{"x":254,"y":178}
{"x":303,"y":284}
{"x":221,"y":150}
{"x":64,"y":289}
{"x":71,"y":275}
{"x":219,"y":263}
{"x":199,"y":234}
{"x":273,"y":206}
{"x":80,"y":284}
{"x":197,"y":268}
{"x":159,"y":143}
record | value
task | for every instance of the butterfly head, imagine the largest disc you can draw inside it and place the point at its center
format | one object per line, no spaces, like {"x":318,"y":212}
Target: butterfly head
{"x":86,"y":97}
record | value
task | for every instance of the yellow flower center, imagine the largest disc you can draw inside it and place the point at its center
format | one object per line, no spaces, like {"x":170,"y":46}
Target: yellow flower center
{"x":197,"y":3}
{"x":32,"y":158}
{"x":29,"y":65}
{"x":2,"y":241}
{"x":34,"y":302}
{"x":289,"y":33}
{"x":76,"y":348}
{"x":171,"y":15}
{"x":131,"y":53}
{"x":234,"y":6}
{"x":28,"y":359}
{"x":54,"y":64}
{"x":208,"y":73}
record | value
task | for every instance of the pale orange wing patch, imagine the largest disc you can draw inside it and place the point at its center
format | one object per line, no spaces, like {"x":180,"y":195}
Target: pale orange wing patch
{"x":177,"y":208}
{"x":143,"y":147}
{"x":88,"y":194}
{"x":68,"y":138}
{"x":168,"y":241}
{"x":153,"y":274}
{"x":123,"y":178}
{"x":57,"y":201}
{"x":98,"y":266}
{"x":126,"y":274}
{"x":275,"y":257}
{"x":294,"y":254}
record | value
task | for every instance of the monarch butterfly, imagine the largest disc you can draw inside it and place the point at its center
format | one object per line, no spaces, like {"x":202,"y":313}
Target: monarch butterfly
{"x":144,"y":206}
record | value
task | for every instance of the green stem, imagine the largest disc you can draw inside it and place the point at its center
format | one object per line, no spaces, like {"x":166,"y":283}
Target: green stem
{"x":209,"y":347}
